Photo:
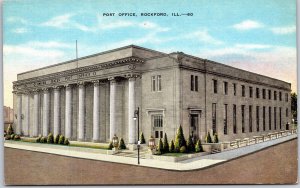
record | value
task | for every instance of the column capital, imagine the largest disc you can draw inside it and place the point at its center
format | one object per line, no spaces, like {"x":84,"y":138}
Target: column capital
{"x":112,"y":80}
{"x":96,"y":82}
{"x":68,"y":86}
{"x":45,"y":90}
{"x":57,"y":88}
{"x":35,"y":91}
{"x":132,"y":76}
{"x":81,"y":84}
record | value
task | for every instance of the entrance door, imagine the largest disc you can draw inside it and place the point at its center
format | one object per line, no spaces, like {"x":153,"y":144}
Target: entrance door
{"x":194,"y":128}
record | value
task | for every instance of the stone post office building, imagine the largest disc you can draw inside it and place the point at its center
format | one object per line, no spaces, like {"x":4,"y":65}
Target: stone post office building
{"x":94,"y":97}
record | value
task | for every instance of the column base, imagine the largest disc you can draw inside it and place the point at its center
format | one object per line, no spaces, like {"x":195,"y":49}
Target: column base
{"x":96,"y":141}
{"x":80,"y":140}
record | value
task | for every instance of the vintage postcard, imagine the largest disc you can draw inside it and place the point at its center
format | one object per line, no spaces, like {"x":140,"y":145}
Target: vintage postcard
{"x":153,"y":92}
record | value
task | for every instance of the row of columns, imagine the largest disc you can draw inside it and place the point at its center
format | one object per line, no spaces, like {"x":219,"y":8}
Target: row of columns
{"x":81,"y":111}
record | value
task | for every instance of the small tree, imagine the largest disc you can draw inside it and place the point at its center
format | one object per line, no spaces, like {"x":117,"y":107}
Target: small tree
{"x":198,"y":147}
{"x":66,"y":142}
{"x":179,"y":140}
{"x":56,"y":139}
{"x":10,"y":130}
{"x":166,"y":144}
{"x":160,"y":147}
{"x":50,"y":138}
{"x":142,"y":138}
{"x":43,"y":140}
{"x":216,"y":139}
{"x":190,"y":145}
{"x":38,"y":140}
{"x":208,"y":138}
{"x":61,"y":139}
{"x":172,"y":147}
{"x":122,"y":144}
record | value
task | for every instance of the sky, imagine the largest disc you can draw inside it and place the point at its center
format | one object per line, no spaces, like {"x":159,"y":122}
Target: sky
{"x":254,"y":35}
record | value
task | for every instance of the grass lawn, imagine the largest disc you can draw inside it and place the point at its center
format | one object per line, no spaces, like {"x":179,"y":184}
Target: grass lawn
{"x":174,"y":154}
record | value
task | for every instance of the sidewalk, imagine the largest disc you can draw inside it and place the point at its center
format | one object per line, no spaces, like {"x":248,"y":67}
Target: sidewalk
{"x":190,"y":164}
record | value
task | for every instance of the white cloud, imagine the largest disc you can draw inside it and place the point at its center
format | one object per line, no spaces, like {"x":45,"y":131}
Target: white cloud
{"x":20,"y":30}
{"x":61,"y":21}
{"x":248,"y":24}
{"x":253,"y":46}
{"x":17,"y":20}
{"x":203,"y":36}
{"x":284,"y":30}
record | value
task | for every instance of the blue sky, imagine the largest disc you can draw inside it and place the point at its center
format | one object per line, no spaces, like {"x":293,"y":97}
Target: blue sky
{"x":256,"y":35}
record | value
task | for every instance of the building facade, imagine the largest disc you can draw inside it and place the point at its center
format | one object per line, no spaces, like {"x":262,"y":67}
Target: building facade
{"x":94,"y":97}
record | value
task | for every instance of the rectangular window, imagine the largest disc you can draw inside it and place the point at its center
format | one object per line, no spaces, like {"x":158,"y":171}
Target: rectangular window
{"x":280,"y":96}
{"x":158,"y":82}
{"x":225,"y":86}
{"x":156,"y":134}
{"x":243,"y":118}
{"x":196,"y":83}
{"x":214,"y":118}
{"x":243,"y":91}
{"x":234,"y":119}
{"x":153,"y":83}
{"x":270,"y":118}
{"x":286,"y":98}
{"x":250,"y":118}
{"x":157,"y":121}
{"x":275,"y":95}
{"x":192,"y":82}
{"x":234,"y":89}
{"x":257,"y":118}
{"x":215,"y":86}
{"x":161,"y":134}
{"x":225,"y":118}
{"x":264,"y":93}
{"x":270,"y":95}
{"x":275,"y":126}
{"x":280,"y":118}
{"x":257,"y":92}
{"x":287,"y":112}
{"x":250,"y":92}
{"x":264,"y":118}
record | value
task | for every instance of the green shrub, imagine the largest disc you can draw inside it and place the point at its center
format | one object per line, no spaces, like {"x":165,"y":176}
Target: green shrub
{"x":198,"y":147}
{"x":121,"y":144}
{"x":183,"y":149}
{"x":7,"y":137}
{"x":216,"y":140}
{"x":172,"y":147}
{"x":12,"y":136}
{"x":142,"y":138}
{"x":43,"y":139}
{"x":166,"y":144}
{"x":56,"y":139}
{"x":110,"y":146}
{"x":50,"y":138}
{"x":17,"y":137}
{"x":208,"y":138}
{"x":66,"y":142}
{"x":10,"y":130}
{"x":61,"y":139}
{"x":190,"y":145}
{"x":5,"y":133}
{"x":179,"y":140}
{"x":160,"y":147}
{"x":38,"y":140}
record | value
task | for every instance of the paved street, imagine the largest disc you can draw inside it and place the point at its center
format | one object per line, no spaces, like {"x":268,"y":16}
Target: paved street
{"x":277,"y":164}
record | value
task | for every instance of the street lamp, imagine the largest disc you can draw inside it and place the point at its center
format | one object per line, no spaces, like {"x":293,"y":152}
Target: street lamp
{"x":136,"y":117}
{"x":115,"y":142}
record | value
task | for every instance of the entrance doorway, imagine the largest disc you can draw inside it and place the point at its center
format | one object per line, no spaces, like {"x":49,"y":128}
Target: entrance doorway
{"x":194,"y":126}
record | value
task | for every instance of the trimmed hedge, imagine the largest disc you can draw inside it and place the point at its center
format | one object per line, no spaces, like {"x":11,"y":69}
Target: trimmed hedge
{"x":50,"y":138}
{"x":179,"y":140}
{"x":10,"y":130}
{"x":160,"y":147}
{"x":66,"y":142}
{"x":56,"y":139}
{"x":61,"y":140}
{"x":165,"y":144}
{"x":190,"y":145}
{"x":216,"y":139}
{"x":142,"y":138}
{"x":172,"y":147}
{"x":198,"y":147}
{"x":208,"y":138}
{"x":122,"y":144}
{"x":183,"y":149}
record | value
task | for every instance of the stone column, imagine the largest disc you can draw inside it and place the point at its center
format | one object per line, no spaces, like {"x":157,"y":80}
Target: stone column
{"x":27,"y":115}
{"x":56,"y":111}
{"x":112,"y":108}
{"x":81,"y":109}
{"x":68,"y":112}
{"x":46,"y":112}
{"x":36,"y":106}
{"x":19,"y":113}
{"x":96,"y":110}
{"x":131,"y":108}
